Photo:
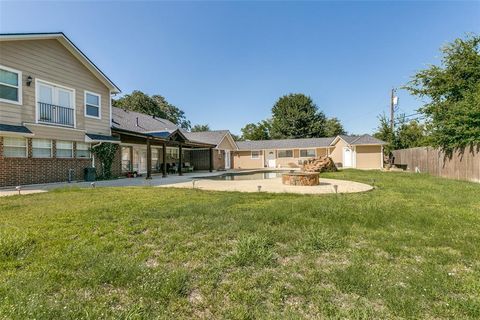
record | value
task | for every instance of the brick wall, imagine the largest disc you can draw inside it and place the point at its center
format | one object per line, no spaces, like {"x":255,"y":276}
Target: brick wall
{"x":22,"y":171}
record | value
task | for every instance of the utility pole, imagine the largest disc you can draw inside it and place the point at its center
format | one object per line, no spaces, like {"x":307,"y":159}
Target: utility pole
{"x":392,"y":110}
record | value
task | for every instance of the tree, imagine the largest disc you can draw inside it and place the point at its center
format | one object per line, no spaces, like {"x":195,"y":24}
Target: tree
{"x":256,"y":131}
{"x":452,"y":91}
{"x":236,"y":137}
{"x":405,"y":135}
{"x":105,"y":152}
{"x":296,"y":116}
{"x":410,"y":134}
{"x":333,"y":127}
{"x":200,"y":128}
{"x":155,"y":105}
{"x":172,"y":113}
{"x":385,"y":133}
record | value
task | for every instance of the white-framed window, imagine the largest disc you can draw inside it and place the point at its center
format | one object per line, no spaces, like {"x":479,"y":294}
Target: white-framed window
{"x":93,"y":105}
{"x":126,"y":159}
{"x":10,"y":85}
{"x":83,"y":150}
{"x":64,"y":149}
{"x":308,"y":153}
{"x":41,"y":148}
{"x":285,"y":153}
{"x":172,"y":153}
{"x":154,"y":158}
{"x":55,"y":103}
{"x":256,"y":154}
{"x":14,"y":147}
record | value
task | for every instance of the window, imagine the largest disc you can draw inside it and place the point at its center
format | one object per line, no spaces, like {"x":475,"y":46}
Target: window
{"x":55,"y":104}
{"x":83,"y":150}
{"x":10,"y":85}
{"x":15,"y":147}
{"x":155,"y":158}
{"x":172,"y":153}
{"x":64,"y":149}
{"x":92,"y":105}
{"x":126,"y":159}
{"x":307,"y":153}
{"x":285,"y":153}
{"x":256,"y":154}
{"x":41,"y":148}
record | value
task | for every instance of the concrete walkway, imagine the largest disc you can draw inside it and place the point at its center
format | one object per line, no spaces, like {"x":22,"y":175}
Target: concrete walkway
{"x":156,"y":180}
{"x":267,"y":185}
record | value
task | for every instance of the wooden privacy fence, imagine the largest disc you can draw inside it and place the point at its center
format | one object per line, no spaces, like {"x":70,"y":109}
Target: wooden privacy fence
{"x":461,"y":166}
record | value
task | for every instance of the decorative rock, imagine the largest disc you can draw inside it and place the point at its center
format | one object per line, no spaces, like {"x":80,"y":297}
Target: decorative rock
{"x":321,"y":164}
{"x":301,"y":178}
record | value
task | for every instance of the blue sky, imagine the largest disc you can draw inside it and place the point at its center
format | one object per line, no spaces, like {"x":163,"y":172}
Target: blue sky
{"x":226,"y":63}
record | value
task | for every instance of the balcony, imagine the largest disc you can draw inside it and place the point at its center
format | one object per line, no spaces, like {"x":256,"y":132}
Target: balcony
{"x":58,"y":115}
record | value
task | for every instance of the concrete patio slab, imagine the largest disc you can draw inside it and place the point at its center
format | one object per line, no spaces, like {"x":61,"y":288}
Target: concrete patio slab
{"x":275,"y":186}
{"x":267,"y":185}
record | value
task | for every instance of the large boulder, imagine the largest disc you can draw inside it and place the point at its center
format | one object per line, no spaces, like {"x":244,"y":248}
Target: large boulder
{"x":320,"y":164}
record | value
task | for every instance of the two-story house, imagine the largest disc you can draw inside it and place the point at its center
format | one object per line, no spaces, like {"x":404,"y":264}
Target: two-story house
{"x":54,"y":103}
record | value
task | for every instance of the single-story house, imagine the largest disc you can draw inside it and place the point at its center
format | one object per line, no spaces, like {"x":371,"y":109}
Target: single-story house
{"x":362,"y":152}
{"x":138,"y":133}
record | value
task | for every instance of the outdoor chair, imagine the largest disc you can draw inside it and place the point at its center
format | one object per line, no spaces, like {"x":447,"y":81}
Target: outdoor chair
{"x":188,"y":167}
{"x":173,"y":168}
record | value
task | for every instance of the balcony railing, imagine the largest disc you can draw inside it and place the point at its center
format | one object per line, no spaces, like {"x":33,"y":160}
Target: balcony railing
{"x":49,"y":113}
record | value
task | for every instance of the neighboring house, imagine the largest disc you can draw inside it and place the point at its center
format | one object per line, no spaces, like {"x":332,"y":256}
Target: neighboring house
{"x":54,"y":103}
{"x":200,"y":150}
{"x":362,"y":152}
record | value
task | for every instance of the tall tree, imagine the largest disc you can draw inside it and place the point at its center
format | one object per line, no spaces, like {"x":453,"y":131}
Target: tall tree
{"x":406,"y":134}
{"x":452,"y":92}
{"x":172,"y":113}
{"x":296,"y":116}
{"x":155,"y":105}
{"x":410,"y":134}
{"x":385,"y":133}
{"x":333,"y":127}
{"x":200,"y":128}
{"x":256,"y":131}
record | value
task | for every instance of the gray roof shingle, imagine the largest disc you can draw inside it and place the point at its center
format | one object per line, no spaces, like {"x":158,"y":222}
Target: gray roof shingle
{"x":363,"y":139}
{"x":284,"y":143}
{"x":139,"y":122}
{"x":143,"y":123}
{"x":211,"y":137}
{"x":305,"y":143}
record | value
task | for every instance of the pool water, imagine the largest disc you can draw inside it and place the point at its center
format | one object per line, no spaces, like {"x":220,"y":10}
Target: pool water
{"x":247,"y":175}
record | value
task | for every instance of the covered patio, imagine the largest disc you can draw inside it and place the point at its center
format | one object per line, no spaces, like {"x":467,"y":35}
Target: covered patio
{"x":159,"y":152}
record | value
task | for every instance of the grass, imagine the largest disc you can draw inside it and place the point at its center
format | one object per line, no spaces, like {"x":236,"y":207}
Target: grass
{"x":408,"y":249}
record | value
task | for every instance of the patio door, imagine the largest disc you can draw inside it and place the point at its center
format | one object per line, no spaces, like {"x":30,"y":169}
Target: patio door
{"x":227,"y":159}
{"x":140,"y":159}
{"x":270,"y":158}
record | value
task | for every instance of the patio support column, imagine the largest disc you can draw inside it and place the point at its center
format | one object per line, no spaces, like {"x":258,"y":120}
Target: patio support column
{"x":131,"y":158}
{"x":210,"y":160}
{"x":149,"y":160}
{"x":164,"y":160}
{"x":180,"y":160}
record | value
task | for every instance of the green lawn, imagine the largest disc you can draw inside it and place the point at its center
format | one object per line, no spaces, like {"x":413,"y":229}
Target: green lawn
{"x":408,"y":249}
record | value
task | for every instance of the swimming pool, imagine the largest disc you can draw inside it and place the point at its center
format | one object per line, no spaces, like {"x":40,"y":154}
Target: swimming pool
{"x":252,"y":175}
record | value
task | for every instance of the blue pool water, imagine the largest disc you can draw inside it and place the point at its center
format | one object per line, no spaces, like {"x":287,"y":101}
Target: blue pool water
{"x":257,"y":175}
